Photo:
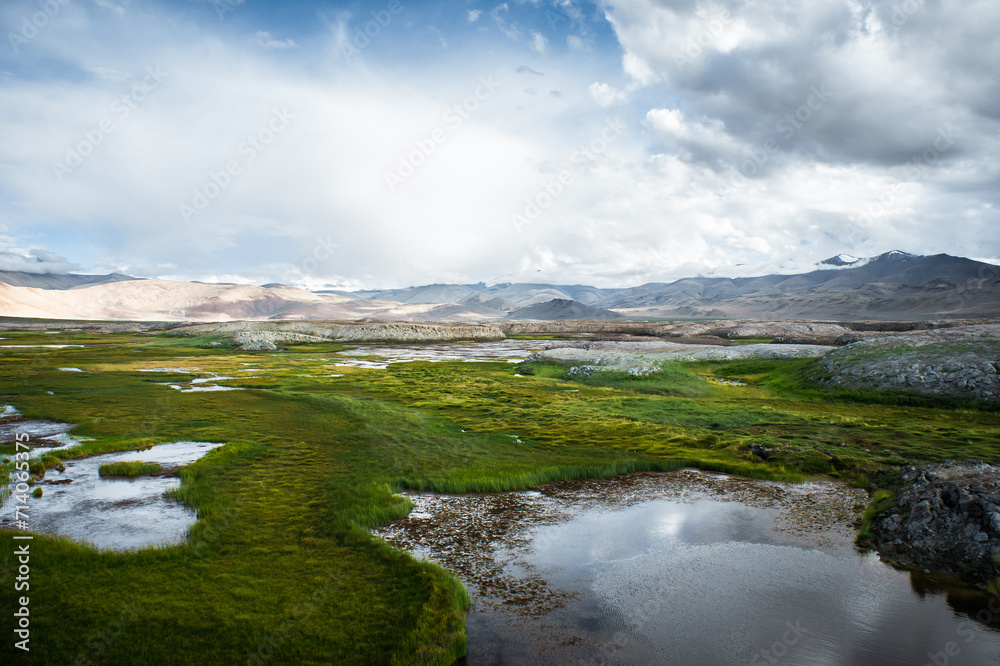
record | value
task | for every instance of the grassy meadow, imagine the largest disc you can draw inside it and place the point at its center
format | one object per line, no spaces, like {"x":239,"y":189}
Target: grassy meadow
{"x":281,"y":568}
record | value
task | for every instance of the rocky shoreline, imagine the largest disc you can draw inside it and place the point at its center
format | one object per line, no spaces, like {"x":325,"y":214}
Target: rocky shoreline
{"x":946,"y":519}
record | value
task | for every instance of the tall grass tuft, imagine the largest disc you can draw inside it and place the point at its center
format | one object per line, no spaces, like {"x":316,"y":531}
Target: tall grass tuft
{"x":478,"y":481}
{"x":881,"y":500}
{"x":129,"y":468}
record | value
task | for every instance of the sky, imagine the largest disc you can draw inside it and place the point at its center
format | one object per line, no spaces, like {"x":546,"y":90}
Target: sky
{"x":393,"y":143}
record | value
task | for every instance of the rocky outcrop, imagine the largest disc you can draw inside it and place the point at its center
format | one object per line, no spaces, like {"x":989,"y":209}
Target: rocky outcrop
{"x":641,"y":370}
{"x":255,"y":341}
{"x":252,"y":335}
{"x":787,"y":332}
{"x":961,"y":368}
{"x":623,"y":356}
{"x":947,"y":519}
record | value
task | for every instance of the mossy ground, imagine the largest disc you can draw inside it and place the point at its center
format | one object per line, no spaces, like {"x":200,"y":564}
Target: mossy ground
{"x":280,"y":565}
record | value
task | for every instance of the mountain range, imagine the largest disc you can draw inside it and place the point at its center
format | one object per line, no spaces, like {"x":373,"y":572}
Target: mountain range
{"x":890,"y":286}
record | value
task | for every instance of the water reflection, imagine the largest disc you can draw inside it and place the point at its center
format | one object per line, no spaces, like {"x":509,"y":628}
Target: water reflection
{"x":513,"y":351}
{"x":686,"y":568}
{"x":42,"y":436}
{"x":114,"y":513}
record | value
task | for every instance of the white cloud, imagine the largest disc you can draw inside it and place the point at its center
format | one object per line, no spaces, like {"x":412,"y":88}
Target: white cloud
{"x":474,"y":15}
{"x":664,"y":198}
{"x":111,"y":6}
{"x":606,"y":95}
{"x":323,"y":175}
{"x":539,"y":43}
{"x":508,"y":29}
{"x":36,"y":261}
{"x":109,"y":73}
{"x":709,"y":134}
{"x":638,"y":69}
{"x":264,"y":39}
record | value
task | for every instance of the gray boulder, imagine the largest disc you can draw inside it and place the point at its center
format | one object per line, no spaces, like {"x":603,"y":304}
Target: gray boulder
{"x":947,"y":519}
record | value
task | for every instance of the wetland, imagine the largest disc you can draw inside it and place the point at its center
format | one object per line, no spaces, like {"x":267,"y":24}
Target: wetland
{"x":390,"y":511}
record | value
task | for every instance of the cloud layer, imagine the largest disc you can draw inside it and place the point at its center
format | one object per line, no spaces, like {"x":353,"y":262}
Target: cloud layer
{"x":564,"y":141}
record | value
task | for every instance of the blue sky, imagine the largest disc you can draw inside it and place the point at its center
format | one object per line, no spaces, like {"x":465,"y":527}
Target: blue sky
{"x":378,"y":144}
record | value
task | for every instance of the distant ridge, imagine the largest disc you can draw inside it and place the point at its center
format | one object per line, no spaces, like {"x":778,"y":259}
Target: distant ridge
{"x":892,"y":286}
{"x":561,"y":309}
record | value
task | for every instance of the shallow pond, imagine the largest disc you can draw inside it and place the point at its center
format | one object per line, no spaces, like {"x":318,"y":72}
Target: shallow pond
{"x":39,"y":346}
{"x":113,"y":513}
{"x":43,"y":436}
{"x":687,"y":568}
{"x":513,"y":351}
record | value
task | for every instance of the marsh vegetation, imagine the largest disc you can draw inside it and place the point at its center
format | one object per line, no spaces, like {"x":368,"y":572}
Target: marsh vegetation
{"x":129,"y":468}
{"x":282,"y":559}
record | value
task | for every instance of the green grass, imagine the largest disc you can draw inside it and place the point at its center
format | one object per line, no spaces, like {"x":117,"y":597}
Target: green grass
{"x":281,"y":562}
{"x":752,"y":340}
{"x":544,"y":336}
{"x":128,"y":468}
{"x":881,"y":500}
